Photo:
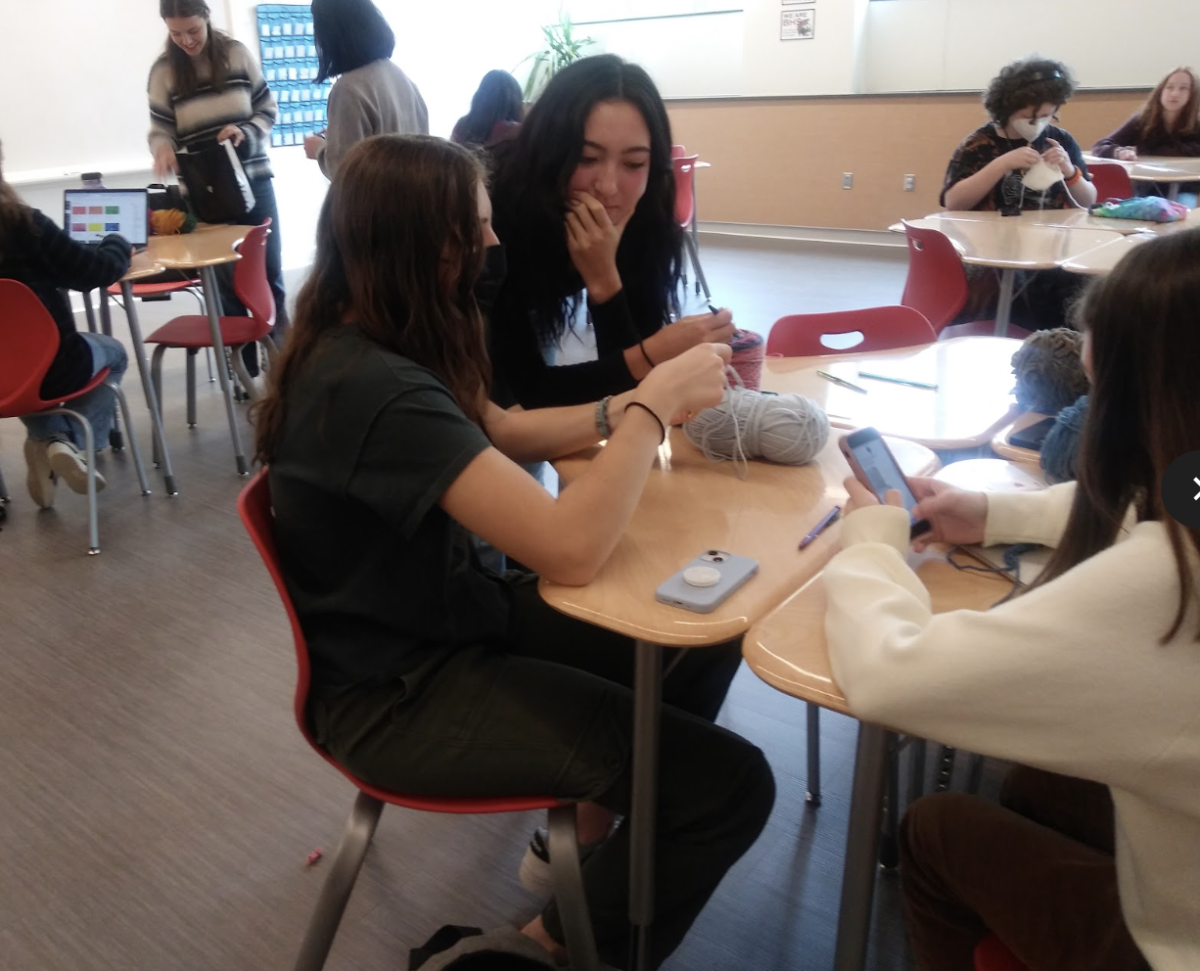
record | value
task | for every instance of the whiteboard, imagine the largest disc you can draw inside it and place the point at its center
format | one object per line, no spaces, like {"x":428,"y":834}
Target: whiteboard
{"x":73,"y":75}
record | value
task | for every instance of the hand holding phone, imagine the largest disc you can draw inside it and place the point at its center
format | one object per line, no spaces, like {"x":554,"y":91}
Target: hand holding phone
{"x":876,"y":468}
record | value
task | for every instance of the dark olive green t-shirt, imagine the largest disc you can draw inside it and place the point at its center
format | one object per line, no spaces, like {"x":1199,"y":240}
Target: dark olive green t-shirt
{"x":381,"y":577}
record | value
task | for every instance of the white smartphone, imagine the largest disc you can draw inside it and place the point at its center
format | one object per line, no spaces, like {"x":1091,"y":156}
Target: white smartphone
{"x":876,"y":468}
{"x":706,"y":581}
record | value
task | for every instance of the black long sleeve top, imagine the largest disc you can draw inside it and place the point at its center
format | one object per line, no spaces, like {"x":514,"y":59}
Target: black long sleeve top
{"x":44,"y":258}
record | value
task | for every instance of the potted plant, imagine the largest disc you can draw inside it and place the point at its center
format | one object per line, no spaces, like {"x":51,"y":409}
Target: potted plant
{"x":561,"y":48}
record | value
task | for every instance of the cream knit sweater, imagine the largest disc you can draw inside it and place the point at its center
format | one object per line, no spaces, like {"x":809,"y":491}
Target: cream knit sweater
{"x":1068,"y":677}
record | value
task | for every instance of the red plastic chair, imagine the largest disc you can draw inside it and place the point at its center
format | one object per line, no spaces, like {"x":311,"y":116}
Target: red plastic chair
{"x":1111,"y":180}
{"x":678,"y":151}
{"x":254,"y":507}
{"x":192,"y":332}
{"x":992,"y":955}
{"x":881,"y":328}
{"x":30,"y":340}
{"x":685,"y":212}
{"x":937,"y":286}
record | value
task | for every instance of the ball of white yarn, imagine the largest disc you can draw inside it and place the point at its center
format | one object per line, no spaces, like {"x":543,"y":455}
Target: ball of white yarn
{"x":787,"y":428}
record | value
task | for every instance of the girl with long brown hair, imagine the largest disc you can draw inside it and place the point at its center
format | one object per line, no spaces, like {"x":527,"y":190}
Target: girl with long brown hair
{"x":1167,"y":124}
{"x":430,"y":674}
{"x":207,"y":87}
{"x":1091,"y":677}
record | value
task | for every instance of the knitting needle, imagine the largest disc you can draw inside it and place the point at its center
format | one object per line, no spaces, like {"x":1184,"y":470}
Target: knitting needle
{"x":829,"y":519}
{"x":903,"y":381}
{"x":838,"y":381}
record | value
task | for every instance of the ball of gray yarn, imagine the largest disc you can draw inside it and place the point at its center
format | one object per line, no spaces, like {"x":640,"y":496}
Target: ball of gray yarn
{"x":786,"y":428}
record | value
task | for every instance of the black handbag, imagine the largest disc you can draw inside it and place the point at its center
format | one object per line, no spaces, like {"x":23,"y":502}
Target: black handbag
{"x":218,"y":190}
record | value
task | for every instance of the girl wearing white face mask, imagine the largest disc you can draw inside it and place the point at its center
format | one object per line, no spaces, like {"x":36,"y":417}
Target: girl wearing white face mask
{"x":991,"y":168}
{"x":1020,"y":160}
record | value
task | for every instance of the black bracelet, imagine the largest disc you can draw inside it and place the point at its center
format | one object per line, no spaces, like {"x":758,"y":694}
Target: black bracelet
{"x":644,"y":354}
{"x":650,"y":411}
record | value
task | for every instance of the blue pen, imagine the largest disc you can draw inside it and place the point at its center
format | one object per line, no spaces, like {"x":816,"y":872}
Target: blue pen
{"x":713,"y":309}
{"x":817,"y":530}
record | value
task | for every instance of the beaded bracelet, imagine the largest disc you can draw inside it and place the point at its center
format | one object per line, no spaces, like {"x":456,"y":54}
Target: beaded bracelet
{"x":644,"y":354}
{"x":603,"y":428}
{"x":650,"y":411}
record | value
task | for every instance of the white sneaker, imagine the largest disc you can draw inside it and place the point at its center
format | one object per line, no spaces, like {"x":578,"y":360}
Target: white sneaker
{"x":71,"y":466}
{"x":535,"y":874}
{"x":40,"y":477}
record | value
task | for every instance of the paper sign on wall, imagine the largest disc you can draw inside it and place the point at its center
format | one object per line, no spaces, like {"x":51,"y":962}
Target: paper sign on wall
{"x":797,"y":24}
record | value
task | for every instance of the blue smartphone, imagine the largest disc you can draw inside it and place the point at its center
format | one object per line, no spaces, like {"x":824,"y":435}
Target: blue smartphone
{"x":876,"y":468}
{"x":706,"y":581}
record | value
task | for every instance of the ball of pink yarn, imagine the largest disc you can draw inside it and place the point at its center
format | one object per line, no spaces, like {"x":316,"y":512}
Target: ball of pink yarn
{"x":748,"y":348}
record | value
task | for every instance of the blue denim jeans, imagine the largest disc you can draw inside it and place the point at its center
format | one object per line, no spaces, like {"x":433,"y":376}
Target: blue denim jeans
{"x":96,"y":406}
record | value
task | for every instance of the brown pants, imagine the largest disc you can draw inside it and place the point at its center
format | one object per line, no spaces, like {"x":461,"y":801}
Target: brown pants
{"x":1037,"y":871}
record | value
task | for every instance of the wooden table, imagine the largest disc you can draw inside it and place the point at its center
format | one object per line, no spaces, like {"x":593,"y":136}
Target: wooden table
{"x":1058,"y":218}
{"x":1012,"y":243}
{"x":203,"y":250}
{"x":1167,"y":169}
{"x":787,"y":649}
{"x":1102,"y":259}
{"x":691,"y":504}
{"x":973,"y":398}
{"x":1003,"y":447}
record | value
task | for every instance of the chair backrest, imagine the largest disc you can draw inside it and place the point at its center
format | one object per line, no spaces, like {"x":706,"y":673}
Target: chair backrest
{"x":29,"y":338}
{"x":254,"y":508}
{"x":1111,"y":180}
{"x":678,"y":151}
{"x":992,"y":955}
{"x":881,"y":328}
{"x":250,"y":275}
{"x":685,"y":190}
{"x":936,"y":284}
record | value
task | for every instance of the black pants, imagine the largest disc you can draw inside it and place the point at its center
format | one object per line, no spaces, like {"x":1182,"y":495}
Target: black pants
{"x":551,"y":714}
{"x":231,"y":306}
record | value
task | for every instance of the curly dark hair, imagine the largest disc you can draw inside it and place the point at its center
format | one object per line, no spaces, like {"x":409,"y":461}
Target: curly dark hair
{"x":1030,"y":81}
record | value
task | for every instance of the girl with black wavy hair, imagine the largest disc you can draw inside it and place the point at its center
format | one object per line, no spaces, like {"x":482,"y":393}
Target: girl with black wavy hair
{"x":585,"y":200}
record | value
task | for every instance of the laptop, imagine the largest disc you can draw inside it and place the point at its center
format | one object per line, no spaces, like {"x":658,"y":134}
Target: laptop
{"x":91,"y":214}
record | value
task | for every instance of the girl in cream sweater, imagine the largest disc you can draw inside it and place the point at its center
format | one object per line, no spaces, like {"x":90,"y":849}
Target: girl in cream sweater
{"x":1094,"y":673}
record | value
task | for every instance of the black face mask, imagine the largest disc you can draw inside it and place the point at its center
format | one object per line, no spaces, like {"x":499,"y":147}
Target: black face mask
{"x":491,"y":279}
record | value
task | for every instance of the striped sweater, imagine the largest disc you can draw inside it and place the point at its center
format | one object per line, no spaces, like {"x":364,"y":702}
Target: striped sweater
{"x":246,"y":101}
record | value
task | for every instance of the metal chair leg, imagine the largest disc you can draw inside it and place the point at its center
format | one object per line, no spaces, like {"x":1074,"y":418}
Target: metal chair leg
{"x":945,"y":768}
{"x":239,"y":367}
{"x":974,"y":773}
{"x":343,"y":872}
{"x":916,"y":769}
{"x":191,"y":387}
{"x":695,"y":255}
{"x":4,"y":496}
{"x":156,"y":380}
{"x":568,"y":889}
{"x":134,"y":448}
{"x":813,"y":796}
{"x":889,"y":847}
{"x":89,"y":450}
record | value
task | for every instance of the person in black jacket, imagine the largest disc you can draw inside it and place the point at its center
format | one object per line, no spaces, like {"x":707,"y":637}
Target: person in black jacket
{"x":35,"y":252}
{"x":585,"y":199}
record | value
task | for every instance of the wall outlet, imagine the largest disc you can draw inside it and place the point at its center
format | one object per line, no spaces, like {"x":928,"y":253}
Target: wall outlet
{"x":847,"y":180}
{"x":910,"y":183}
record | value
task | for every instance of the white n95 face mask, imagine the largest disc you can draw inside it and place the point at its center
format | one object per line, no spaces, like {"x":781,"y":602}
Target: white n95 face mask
{"x":1028,"y":128}
{"x":1040,"y":177}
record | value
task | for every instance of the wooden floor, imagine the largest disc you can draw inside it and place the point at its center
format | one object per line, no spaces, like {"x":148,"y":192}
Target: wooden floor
{"x":157,"y":803}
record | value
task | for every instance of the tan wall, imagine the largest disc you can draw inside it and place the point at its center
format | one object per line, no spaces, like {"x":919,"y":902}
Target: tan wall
{"x":780,"y":161}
